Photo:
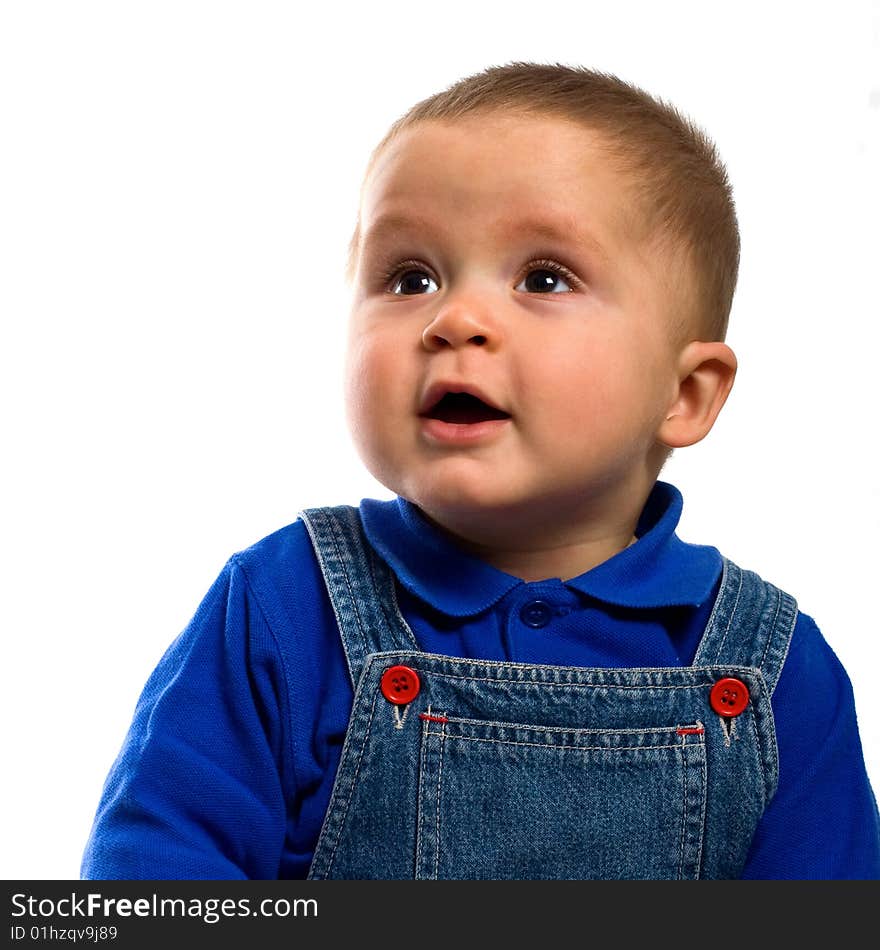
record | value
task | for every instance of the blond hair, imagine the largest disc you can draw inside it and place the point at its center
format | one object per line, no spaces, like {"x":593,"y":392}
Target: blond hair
{"x":683,"y":202}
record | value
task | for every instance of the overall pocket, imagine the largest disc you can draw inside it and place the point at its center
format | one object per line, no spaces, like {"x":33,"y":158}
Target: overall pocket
{"x":516,"y":801}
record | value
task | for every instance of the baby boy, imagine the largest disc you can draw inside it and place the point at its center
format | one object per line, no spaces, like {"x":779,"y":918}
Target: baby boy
{"x":515,"y":669}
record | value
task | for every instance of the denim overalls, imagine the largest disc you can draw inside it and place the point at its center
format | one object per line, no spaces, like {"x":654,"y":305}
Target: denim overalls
{"x":457,"y":768}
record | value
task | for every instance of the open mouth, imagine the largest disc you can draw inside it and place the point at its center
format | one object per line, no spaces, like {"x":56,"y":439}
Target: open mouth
{"x":464,"y":409}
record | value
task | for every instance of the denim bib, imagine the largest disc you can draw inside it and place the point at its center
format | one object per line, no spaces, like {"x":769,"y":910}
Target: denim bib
{"x":500,"y":770}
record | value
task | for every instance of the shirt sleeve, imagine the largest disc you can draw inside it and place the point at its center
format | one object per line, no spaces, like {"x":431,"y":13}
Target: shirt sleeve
{"x":823,"y":823}
{"x":196,"y":791}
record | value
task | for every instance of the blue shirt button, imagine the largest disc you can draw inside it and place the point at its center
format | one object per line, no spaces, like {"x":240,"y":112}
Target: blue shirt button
{"x":535,"y":614}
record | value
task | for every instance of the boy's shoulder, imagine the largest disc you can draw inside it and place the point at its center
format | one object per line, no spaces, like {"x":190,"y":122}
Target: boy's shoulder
{"x":282,"y":571}
{"x":286,"y":544}
{"x":293,"y":542}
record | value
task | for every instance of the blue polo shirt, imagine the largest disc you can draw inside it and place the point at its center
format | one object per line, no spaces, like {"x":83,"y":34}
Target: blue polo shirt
{"x":228,"y":766}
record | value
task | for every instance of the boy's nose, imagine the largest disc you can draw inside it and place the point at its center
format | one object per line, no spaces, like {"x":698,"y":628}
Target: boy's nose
{"x":457,"y":324}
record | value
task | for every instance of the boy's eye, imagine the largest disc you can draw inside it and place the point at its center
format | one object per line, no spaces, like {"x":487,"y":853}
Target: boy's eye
{"x":413,"y":282}
{"x":542,"y":280}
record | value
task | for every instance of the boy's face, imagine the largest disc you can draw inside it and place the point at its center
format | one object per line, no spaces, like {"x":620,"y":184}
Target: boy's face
{"x":494,"y":260}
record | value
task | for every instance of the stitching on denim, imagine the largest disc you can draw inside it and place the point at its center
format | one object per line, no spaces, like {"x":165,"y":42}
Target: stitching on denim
{"x":770,"y":726}
{"x":336,"y":535}
{"x":542,"y":684}
{"x":394,"y":624}
{"x":326,"y":520}
{"x":420,"y":656}
{"x":420,"y":805}
{"x":398,"y":719}
{"x":314,"y":529}
{"x":731,"y":616}
{"x":703,"y":796}
{"x":772,"y":632}
{"x":439,"y":781}
{"x":788,"y":632}
{"x":686,"y":748}
{"x":354,"y":778}
{"x":542,"y":728}
{"x":369,"y":556}
{"x":684,"y":809}
{"x":708,"y":631}
{"x":759,"y":750}
{"x":788,"y":638}
{"x":726,"y":726}
{"x":398,"y":616}
{"x":549,"y":745}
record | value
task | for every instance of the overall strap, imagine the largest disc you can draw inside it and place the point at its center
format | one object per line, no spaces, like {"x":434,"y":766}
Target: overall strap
{"x":360,"y":585}
{"x":751,"y":625}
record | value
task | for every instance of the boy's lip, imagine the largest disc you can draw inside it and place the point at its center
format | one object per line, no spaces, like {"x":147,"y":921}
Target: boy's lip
{"x":436,"y":391}
{"x":443,"y":433}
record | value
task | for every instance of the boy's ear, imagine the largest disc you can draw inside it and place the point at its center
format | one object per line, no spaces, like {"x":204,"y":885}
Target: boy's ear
{"x":705,"y":373}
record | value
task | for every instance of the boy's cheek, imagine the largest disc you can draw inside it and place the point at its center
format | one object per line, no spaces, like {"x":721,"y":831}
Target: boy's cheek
{"x":383,"y":370}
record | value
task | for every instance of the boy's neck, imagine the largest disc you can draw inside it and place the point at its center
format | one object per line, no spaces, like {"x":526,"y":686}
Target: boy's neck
{"x":537,"y":549}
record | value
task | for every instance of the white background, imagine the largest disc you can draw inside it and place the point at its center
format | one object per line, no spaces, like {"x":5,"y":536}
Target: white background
{"x":178,"y":183}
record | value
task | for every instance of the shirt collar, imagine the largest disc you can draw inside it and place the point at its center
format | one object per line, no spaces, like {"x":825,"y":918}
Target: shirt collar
{"x":659,"y":570}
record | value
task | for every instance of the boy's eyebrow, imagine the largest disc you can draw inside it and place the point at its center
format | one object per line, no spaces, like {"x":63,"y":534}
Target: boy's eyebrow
{"x":563,"y":230}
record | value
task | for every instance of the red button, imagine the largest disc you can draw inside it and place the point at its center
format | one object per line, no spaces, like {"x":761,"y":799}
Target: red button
{"x":729,"y":697}
{"x":400,"y":685}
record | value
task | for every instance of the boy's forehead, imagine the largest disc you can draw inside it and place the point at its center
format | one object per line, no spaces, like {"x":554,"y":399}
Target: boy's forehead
{"x":490,"y":153}
{"x":546,"y":177}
